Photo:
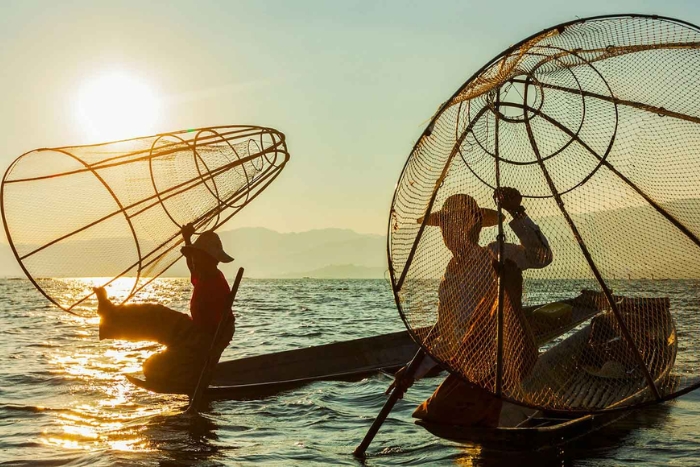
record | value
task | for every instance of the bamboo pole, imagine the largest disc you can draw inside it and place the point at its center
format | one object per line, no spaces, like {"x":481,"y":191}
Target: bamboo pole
{"x":388,"y":405}
{"x":501,"y":258}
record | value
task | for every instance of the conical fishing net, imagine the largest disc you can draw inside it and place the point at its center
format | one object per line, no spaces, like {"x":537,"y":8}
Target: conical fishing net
{"x":597,"y":124}
{"x":112,"y":212}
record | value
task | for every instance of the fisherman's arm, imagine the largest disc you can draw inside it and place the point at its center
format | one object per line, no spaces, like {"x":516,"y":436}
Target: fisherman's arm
{"x":402,"y":381}
{"x":187,"y":231}
{"x":534,"y":251}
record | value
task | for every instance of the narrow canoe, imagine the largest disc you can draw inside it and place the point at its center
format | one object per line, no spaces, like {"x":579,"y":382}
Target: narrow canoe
{"x":563,"y":371}
{"x":537,"y":433}
{"x":267,"y":374}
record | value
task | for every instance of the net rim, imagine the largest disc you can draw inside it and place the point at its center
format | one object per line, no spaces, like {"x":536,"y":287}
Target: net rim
{"x":427,"y":133}
{"x":155,"y":135}
{"x":278,"y":146}
{"x":109,"y":190}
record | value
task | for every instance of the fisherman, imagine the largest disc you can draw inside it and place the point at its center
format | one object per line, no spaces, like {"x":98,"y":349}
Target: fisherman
{"x":188,"y":339}
{"x":466,"y":325}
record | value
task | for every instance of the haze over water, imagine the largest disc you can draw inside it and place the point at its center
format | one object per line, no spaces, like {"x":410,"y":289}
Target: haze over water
{"x":64,"y":399}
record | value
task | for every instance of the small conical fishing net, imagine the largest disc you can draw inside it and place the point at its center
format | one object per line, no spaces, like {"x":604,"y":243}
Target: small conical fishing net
{"x":113,"y":212}
{"x":597,"y":124}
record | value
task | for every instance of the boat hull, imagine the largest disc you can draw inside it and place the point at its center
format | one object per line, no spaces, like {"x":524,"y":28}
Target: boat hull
{"x":341,"y":361}
{"x":552,"y":432}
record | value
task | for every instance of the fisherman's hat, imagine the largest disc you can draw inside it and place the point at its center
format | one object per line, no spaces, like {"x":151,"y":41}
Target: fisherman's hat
{"x":210,"y":243}
{"x":462,"y":208}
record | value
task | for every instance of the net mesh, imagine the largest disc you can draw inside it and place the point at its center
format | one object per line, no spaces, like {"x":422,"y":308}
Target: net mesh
{"x":113,"y":211}
{"x":595,"y":123}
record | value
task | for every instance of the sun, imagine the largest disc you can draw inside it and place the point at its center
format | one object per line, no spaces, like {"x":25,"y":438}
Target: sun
{"x":116,"y":106}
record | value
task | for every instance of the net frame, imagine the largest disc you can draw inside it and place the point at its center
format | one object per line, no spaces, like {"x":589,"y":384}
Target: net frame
{"x":479,"y":85}
{"x":262,"y":163}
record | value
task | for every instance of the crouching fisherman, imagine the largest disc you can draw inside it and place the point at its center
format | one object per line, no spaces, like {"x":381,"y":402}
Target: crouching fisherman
{"x":188,"y":339}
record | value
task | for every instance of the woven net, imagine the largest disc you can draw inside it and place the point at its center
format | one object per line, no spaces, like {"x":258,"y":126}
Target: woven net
{"x":113,"y":211}
{"x":597,"y":124}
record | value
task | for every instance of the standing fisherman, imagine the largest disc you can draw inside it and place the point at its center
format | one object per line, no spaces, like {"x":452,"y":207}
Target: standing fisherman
{"x":188,"y":339}
{"x":468,"y":306}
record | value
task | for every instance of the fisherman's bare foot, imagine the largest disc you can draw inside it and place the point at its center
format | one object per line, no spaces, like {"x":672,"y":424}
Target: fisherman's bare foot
{"x":104,"y":305}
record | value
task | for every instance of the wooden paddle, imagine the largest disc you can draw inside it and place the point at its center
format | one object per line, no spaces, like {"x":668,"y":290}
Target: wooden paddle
{"x":388,"y":405}
{"x":208,"y":369}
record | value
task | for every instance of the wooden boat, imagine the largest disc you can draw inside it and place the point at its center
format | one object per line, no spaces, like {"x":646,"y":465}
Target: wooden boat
{"x":538,"y":432}
{"x":564,"y":372}
{"x":265,"y":375}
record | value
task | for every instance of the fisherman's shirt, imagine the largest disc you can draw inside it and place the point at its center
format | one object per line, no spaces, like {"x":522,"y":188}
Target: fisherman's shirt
{"x":470,"y":282}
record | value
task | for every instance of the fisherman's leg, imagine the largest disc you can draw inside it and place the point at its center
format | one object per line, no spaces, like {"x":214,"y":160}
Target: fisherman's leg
{"x":149,"y":322}
{"x":214,"y":353}
{"x":177,"y":368}
{"x":460,"y":403}
{"x":224,"y":340}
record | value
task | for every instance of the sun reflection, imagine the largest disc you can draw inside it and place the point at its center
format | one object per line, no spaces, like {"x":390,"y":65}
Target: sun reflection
{"x":93,"y":442}
{"x":65,"y":443}
{"x":130,"y":445}
{"x":471,"y":454}
{"x":107,"y":421}
{"x":110,"y":412}
{"x":82,"y":431}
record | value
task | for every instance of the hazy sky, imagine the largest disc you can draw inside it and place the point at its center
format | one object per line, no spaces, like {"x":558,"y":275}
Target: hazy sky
{"x":351,"y":83}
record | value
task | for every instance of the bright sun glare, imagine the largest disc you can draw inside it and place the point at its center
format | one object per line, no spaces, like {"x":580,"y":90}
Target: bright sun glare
{"x":116,"y":106}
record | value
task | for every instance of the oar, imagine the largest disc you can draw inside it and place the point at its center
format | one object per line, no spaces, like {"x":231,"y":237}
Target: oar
{"x":207,"y":369}
{"x":388,"y":405}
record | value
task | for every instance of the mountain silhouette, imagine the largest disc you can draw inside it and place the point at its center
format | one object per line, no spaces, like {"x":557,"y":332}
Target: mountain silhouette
{"x":264,"y":253}
{"x":629,"y":242}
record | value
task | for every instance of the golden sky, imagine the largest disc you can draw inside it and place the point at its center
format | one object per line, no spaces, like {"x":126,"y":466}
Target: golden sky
{"x":351,"y":84}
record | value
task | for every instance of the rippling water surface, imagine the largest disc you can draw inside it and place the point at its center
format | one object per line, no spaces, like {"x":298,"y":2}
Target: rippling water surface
{"x":64,"y":399}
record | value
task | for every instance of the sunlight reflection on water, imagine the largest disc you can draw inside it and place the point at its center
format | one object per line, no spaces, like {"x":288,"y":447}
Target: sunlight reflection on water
{"x":103,"y":420}
{"x":66,"y":399}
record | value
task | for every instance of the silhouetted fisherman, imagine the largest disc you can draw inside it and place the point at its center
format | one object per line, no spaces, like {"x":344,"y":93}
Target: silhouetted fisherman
{"x":466,"y":327}
{"x":188,"y":339}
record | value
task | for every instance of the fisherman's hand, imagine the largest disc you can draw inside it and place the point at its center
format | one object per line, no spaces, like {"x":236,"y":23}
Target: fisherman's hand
{"x":401,"y":383}
{"x":187,"y":231}
{"x":510,"y":199}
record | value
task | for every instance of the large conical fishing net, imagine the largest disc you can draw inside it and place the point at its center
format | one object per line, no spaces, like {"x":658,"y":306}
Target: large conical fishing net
{"x":112,"y":212}
{"x":597,"y":123}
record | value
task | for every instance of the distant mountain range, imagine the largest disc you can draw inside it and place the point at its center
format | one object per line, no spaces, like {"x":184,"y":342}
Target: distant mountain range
{"x":634,"y":242}
{"x":631,"y":242}
{"x":340,"y":271}
{"x":264,"y":253}
{"x":8,"y":263}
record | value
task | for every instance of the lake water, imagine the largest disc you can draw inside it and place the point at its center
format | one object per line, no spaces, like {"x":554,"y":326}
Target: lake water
{"x":64,"y":399}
